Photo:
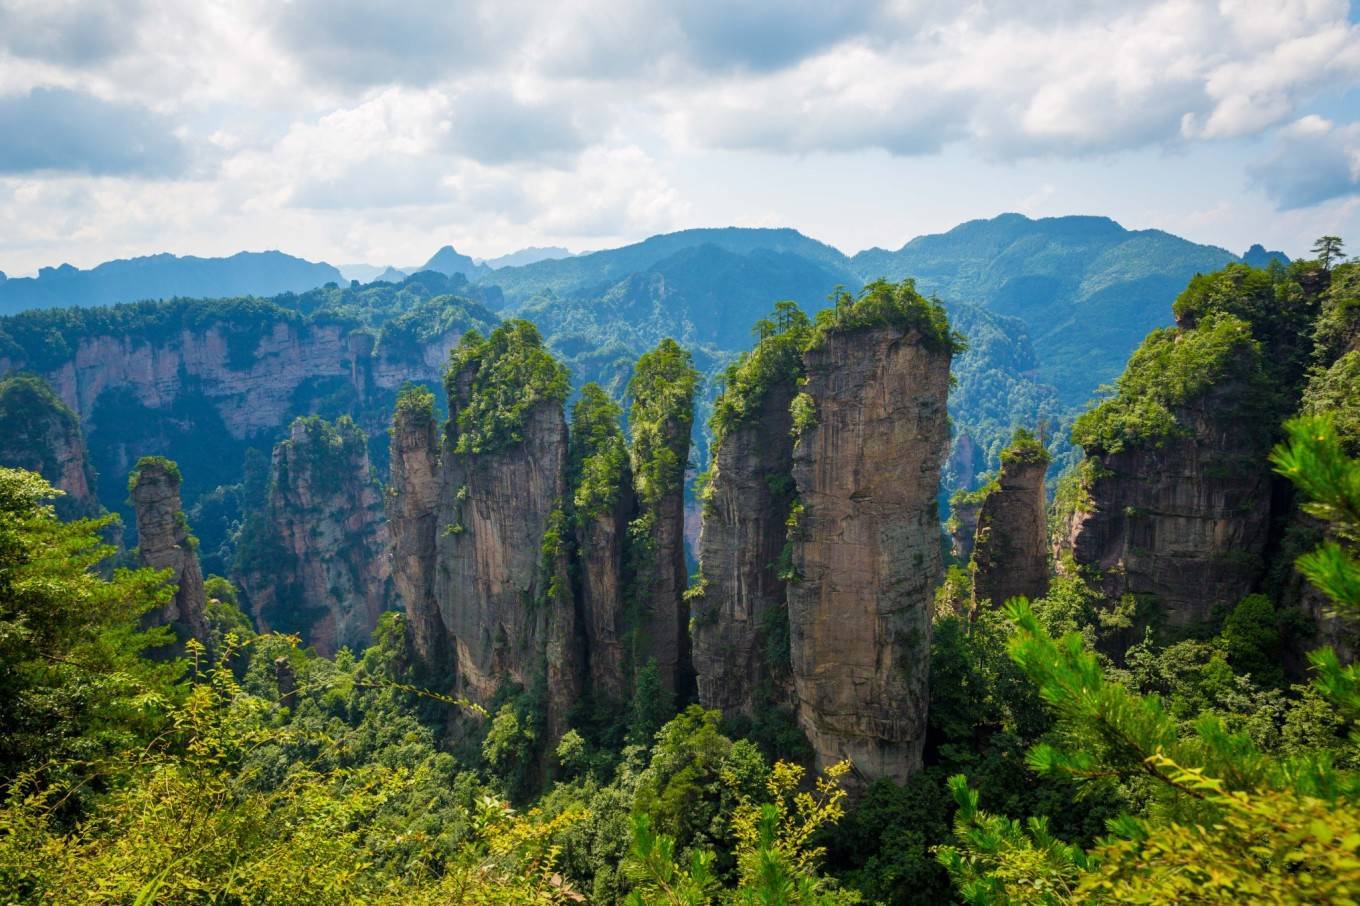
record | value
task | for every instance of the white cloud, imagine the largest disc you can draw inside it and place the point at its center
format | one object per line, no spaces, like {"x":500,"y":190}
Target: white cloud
{"x":1314,"y":160}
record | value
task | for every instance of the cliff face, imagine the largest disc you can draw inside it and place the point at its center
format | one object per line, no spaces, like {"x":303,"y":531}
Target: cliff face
{"x":411,"y":517}
{"x":740,"y":618}
{"x":322,"y":568}
{"x":163,"y":542}
{"x":1183,"y":524}
{"x":491,"y":584}
{"x":867,"y":549}
{"x":1010,"y":555}
{"x":661,"y":418}
{"x":963,"y":524}
{"x":601,"y":542}
{"x":250,"y":380}
{"x":39,"y":433}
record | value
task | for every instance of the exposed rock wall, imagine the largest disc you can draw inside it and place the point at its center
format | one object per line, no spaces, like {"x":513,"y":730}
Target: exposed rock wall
{"x":39,"y":433}
{"x":164,"y":542}
{"x":867,"y":546}
{"x":963,"y":524}
{"x":250,"y":380}
{"x":661,"y":580}
{"x":740,"y":548}
{"x":1010,"y":554}
{"x":499,"y":593}
{"x":412,"y":501}
{"x":324,"y":572}
{"x":601,"y":542}
{"x":1185,"y":524}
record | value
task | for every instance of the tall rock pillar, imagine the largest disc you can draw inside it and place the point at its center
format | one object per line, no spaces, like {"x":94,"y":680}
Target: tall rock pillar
{"x":164,"y":542}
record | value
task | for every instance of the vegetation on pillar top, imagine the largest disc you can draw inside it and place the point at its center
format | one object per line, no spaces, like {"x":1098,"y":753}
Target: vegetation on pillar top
{"x":881,"y":303}
{"x":777,"y":356}
{"x":662,"y":392}
{"x":1174,"y":367}
{"x":415,"y":402}
{"x":598,"y":461}
{"x":1024,"y":448}
{"x":495,"y":382}
{"x":154,"y":463}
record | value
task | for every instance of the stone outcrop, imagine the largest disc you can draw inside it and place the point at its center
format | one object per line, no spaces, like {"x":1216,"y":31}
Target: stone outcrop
{"x":1183,"y":524}
{"x":412,"y":502}
{"x":164,"y":542}
{"x":601,"y":543}
{"x":251,"y":381}
{"x":481,"y":542}
{"x":39,"y":433}
{"x":661,"y":420}
{"x":318,"y":563}
{"x":741,"y":603}
{"x":866,"y":551}
{"x":1010,"y":554}
{"x":963,"y":523}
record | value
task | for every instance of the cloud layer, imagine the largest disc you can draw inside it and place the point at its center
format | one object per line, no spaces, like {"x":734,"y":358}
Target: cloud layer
{"x":512,"y":117}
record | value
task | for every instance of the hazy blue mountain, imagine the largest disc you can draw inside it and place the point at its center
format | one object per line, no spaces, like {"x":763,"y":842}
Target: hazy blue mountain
{"x":593,"y":271}
{"x":392,"y":275}
{"x":531,"y":255}
{"x":164,"y":276}
{"x":448,"y":261}
{"x":1087,"y":289}
{"x":1257,"y":256}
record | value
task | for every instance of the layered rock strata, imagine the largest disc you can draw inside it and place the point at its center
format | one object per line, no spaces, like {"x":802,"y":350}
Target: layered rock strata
{"x":319,"y":563}
{"x":1010,"y":553}
{"x":866,"y":546}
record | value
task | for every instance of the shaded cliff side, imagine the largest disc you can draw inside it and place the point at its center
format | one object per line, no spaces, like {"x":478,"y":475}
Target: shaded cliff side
{"x":39,"y":433}
{"x":500,"y":583}
{"x":412,"y":499}
{"x":602,"y":504}
{"x":660,"y":419}
{"x":164,"y":542}
{"x":315,"y":563}
{"x":873,"y":433}
{"x":1173,"y":505}
{"x":740,"y":612}
{"x":1010,"y":551}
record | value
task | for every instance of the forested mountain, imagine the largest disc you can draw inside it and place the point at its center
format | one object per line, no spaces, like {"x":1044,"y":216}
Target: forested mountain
{"x":162,"y":277}
{"x":1086,"y":288}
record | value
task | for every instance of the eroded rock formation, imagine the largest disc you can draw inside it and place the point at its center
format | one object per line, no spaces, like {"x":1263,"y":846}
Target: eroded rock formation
{"x":1010,"y":554}
{"x":164,"y":542}
{"x":740,"y":620}
{"x":866,"y":551}
{"x":39,"y":433}
{"x":317,"y":563}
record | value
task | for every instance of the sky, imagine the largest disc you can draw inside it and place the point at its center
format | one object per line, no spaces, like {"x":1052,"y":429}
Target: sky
{"x":353,"y":132}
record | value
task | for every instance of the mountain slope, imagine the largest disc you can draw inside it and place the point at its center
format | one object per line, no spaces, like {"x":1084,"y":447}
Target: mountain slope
{"x":164,"y":276}
{"x":1087,"y":289}
{"x":564,"y":276}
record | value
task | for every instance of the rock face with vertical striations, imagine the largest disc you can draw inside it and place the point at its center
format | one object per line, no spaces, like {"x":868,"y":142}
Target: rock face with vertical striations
{"x":164,"y":542}
{"x":1175,"y":494}
{"x":1010,"y":553}
{"x":662,"y":415}
{"x":740,"y":610}
{"x":602,"y":505}
{"x":316,"y":563}
{"x":39,"y":433}
{"x":412,"y":498}
{"x":501,"y":587}
{"x":873,"y":435}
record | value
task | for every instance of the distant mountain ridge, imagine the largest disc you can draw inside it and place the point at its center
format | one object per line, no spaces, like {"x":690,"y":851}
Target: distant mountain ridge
{"x":165,"y":276}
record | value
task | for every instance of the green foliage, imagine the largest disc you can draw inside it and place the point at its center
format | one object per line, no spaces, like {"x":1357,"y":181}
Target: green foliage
{"x":598,"y":459}
{"x":747,"y":382}
{"x":662,"y":392}
{"x":1173,"y":368}
{"x":881,"y":304}
{"x":38,"y":432}
{"x":1024,"y":448}
{"x":804,"y":413}
{"x":494,"y":384}
{"x":1327,"y":250}
{"x":158,"y":463}
{"x":1335,"y":391}
{"x":1251,"y":636}
{"x":415,"y":401}
{"x":651,"y":707}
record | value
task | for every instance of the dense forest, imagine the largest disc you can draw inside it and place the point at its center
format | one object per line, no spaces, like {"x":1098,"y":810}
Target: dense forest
{"x":494,"y":679}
